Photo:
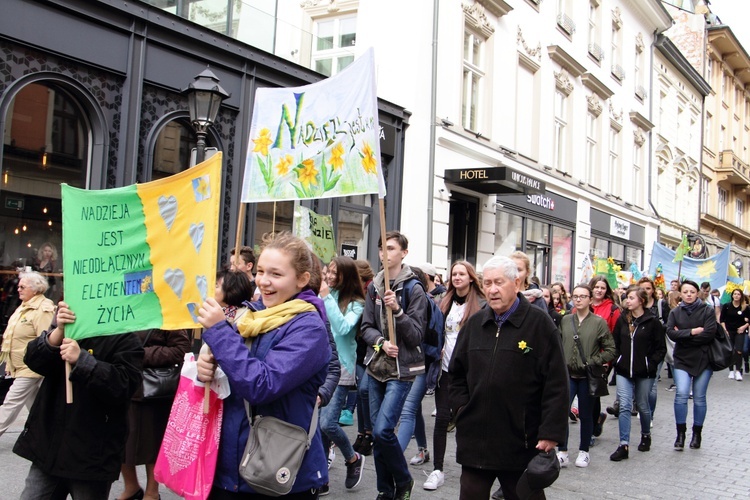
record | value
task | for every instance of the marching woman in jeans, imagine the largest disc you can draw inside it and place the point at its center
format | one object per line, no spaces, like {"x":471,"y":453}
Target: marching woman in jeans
{"x":639,"y":340}
{"x":692,"y":326}
{"x":598,"y":347}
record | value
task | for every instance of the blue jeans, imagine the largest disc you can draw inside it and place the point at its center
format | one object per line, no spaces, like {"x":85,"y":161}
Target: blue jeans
{"x":412,"y":421}
{"x":386,"y":402}
{"x":329,"y":421}
{"x":580,"y":387}
{"x":625,"y":388}
{"x":683,"y":381}
{"x":653,"y":391}
{"x":363,"y":401}
{"x":42,"y":486}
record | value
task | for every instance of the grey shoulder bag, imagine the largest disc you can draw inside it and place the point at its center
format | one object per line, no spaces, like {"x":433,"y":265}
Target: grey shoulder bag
{"x":274,"y":452}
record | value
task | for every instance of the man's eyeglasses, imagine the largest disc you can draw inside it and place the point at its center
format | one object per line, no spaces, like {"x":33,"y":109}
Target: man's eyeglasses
{"x":21,"y":287}
{"x":580,"y":297}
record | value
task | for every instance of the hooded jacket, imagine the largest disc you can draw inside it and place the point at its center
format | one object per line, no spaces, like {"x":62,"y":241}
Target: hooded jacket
{"x":409,"y":326}
{"x":639,"y":353}
{"x":509,"y":388}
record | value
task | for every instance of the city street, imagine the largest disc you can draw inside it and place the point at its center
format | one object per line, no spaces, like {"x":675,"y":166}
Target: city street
{"x":720,"y":469}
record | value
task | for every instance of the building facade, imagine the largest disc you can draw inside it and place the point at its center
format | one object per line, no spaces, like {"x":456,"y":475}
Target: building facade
{"x":91,"y":95}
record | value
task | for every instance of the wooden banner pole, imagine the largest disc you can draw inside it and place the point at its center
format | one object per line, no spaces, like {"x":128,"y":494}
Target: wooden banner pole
{"x":68,"y":384}
{"x":391,"y":335}
{"x":273,"y":219}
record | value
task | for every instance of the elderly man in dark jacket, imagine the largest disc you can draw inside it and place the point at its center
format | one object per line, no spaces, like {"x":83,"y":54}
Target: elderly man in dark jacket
{"x":510,"y":386}
{"x":78,"y":448}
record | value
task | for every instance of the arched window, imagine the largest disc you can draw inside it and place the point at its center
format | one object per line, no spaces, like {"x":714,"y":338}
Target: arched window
{"x":174,"y":148}
{"x":46,"y":142}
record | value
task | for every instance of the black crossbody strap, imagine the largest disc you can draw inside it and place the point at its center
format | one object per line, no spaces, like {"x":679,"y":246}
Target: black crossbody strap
{"x":578,"y":340}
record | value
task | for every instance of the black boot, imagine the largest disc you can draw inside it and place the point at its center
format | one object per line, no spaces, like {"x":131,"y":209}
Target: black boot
{"x":645,"y":443}
{"x":679,"y":443}
{"x":695,"y":442}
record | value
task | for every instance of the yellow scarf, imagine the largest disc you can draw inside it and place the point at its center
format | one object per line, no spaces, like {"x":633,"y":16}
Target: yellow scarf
{"x":253,"y":323}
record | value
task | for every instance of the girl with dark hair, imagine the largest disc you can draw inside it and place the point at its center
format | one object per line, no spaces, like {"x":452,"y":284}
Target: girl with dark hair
{"x":567,"y":304}
{"x":735,"y":319}
{"x":232,"y":289}
{"x":463,"y":298}
{"x":344,"y":303}
{"x":279,"y":373}
{"x":660,"y":309}
{"x":583,"y":327}
{"x":640,"y":349}
{"x":692,"y":326}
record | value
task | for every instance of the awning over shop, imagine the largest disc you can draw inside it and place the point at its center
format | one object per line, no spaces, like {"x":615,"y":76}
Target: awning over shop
{"x":495,"y":180}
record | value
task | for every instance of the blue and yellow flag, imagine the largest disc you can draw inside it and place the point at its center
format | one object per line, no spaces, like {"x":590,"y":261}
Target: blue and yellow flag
{"x":713,"y":269}
{"x":141,"y":256}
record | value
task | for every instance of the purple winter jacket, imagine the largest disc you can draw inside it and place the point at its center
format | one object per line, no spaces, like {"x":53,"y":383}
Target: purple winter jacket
{"x":283,"y":384}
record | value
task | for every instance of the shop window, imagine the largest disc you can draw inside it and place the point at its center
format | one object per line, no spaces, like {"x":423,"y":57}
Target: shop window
{"x":272,"y":217}
{"x":537,"y":231}
{"x":634,"y":255}
{"x":508,"y":233}
{"x":599,"y":248}
{"x":617,"y":252}
{"x":562,"y":251}
{"x":352,"y":233}
{"x":46,"y":143}
{"x":173,"y":148}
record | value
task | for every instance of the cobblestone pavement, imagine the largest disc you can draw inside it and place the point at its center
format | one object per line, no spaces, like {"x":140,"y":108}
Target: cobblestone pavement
{"x":720,"y":469}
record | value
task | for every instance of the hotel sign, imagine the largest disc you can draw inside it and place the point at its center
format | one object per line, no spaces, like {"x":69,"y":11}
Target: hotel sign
{"x":495,"y":180}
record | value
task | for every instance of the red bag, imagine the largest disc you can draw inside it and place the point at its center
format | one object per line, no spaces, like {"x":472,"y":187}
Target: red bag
{"x":187,"y":458}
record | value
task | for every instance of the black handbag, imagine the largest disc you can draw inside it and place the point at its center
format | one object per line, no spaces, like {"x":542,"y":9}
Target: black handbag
{"x":160,"y":382}
{"x":720,"y":350}
{"x":596,"y":374}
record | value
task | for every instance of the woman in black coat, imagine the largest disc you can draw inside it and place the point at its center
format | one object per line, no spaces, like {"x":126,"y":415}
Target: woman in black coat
{"x":147,"y":418}
{"x":639,"y":340}
{"x":735,"y":321}
{"x":692,"y":326}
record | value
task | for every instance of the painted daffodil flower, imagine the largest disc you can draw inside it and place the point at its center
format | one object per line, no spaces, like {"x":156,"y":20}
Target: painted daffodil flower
{"x":262,"y":142}
{"x":308,"y":173}
{"x":336,"y":160}
{"x":368,"y":160}
{"x":282,"y":168}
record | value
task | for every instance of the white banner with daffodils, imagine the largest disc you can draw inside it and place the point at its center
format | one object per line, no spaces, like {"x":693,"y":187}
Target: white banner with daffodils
{"x":317,"y":141}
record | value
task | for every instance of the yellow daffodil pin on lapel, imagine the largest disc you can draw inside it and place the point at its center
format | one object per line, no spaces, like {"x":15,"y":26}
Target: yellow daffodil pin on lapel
{"x":524,"y":347}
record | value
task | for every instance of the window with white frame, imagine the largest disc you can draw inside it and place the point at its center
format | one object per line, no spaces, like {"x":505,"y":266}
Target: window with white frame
{"x":592,"y":155}
{"x":708,"y":133}
{"x":739,"y":213}
{"x":723,"y":200}
{"x":635,"y":192}
{"x":709,"y":72}
{"x":527,"y":114}
{"x":473,"y":76}
{"x":560,"y":138}
{"x":333,"y":43}
{"x":722,"y":133}
{"x":704,"y":195}
{"x":615,"y":55}
{"x":614,"y":171}
{"x":595,"y":48}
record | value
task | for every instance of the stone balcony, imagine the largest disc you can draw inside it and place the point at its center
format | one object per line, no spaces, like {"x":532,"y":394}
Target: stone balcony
{"x":732,"y":169}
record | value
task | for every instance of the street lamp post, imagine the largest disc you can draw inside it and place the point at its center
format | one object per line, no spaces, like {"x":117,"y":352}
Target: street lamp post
{"x":205,"y":95}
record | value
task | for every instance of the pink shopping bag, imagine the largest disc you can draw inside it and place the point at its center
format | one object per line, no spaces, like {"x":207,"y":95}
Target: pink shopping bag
{"x":187,"y":459}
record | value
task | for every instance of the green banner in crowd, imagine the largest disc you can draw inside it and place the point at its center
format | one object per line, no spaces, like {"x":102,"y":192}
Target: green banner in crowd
{"x":317,"y":231}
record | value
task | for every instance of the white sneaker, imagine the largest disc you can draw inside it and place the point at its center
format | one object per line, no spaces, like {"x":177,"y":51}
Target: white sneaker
{"x":434,"y":413}
{"x":738,"y":377}
{"x":583,"y":459}
{"x":731,"y":374}
{"x":562,"y":456}
{"x":331,"y":456}
{"x":434,"y":480}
